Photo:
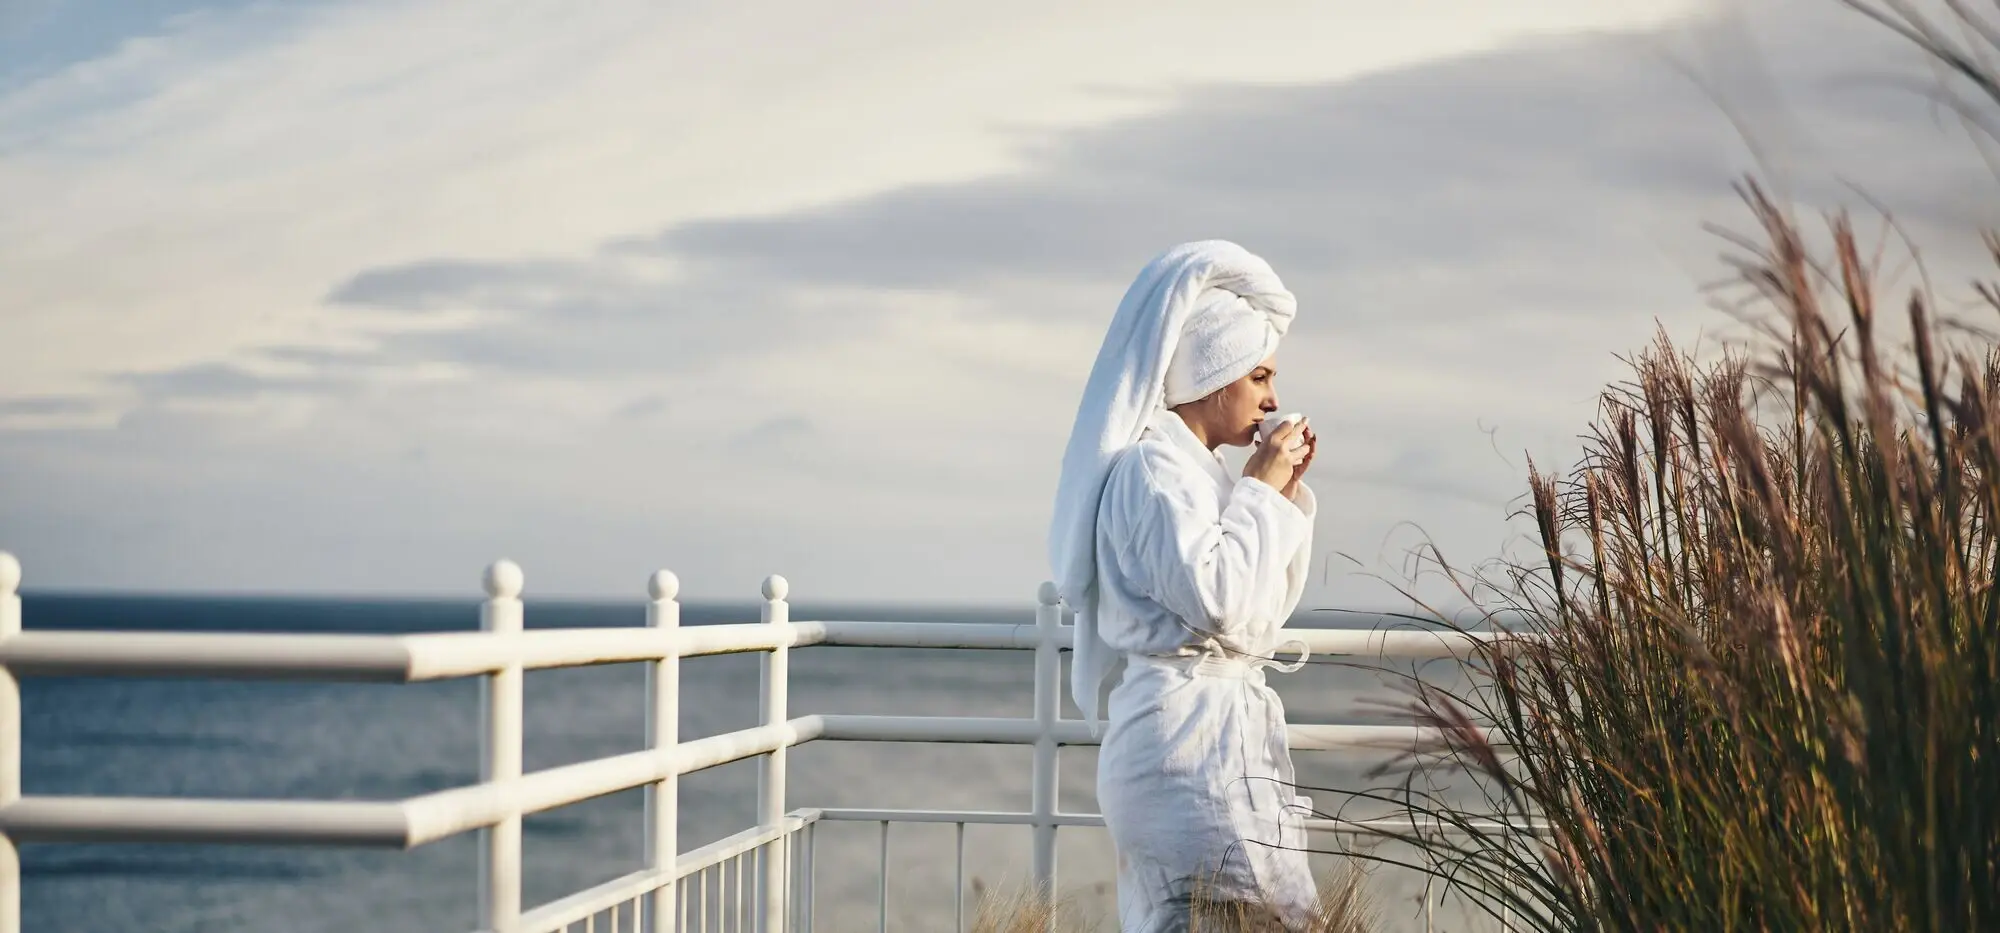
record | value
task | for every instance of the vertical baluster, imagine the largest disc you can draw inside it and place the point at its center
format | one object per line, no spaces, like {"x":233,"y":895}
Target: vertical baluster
{"x":500,"y":856}
{"x":663,"y":731}
{"x":701,"y":909}
{"x":958,"y":882}
{"x":10,"y":744}
{"x":1048,"y":692}
{"x":812,"y":851}
{"x":786,"y":857}
{"x":1429,"y":925}
{"x":882,"y":896}
{"x":776,"y":679}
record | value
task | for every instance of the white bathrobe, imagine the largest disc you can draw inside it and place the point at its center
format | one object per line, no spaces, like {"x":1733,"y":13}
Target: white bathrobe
{"x":1199,"y":570}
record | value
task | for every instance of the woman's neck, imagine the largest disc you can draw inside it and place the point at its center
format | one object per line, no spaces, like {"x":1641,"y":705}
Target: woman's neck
{"x":1196,"y":429}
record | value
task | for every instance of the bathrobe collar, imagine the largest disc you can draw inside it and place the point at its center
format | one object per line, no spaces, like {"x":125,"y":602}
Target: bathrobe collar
{"x":1174,"y":429}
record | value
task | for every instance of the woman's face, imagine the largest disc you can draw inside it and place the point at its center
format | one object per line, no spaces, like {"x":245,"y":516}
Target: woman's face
{"x":1231,"y":415}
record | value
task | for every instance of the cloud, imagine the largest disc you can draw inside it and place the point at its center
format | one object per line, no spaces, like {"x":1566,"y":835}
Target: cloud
{"x":445,"y":284}
{"x":866,"y":384}
{"x":41,"y":37}
{"x":47,"y":405}
{"x":774,"y":430}
{"x":576,"y":316}
{"x":1538,"y":186}
{"x":225,"y":380}
{"x":192,"y":195}
{"x":644,"y":407}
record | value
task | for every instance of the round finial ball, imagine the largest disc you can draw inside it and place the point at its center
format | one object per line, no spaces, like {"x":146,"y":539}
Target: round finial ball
{"x":504,"y":579}
{"x":663,"y":585}
{"x":10,"y":574}
{"x":1047,"y":594}
{"x":775,"y":587}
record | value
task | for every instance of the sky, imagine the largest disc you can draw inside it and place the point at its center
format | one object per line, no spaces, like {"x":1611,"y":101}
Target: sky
{"x":355,"y":297}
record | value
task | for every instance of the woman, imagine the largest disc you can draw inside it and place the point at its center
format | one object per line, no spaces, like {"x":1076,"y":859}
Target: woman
{"x":1189,"y":574}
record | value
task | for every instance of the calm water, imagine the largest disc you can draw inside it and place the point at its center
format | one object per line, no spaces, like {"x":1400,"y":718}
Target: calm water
{"x":347,"y":741}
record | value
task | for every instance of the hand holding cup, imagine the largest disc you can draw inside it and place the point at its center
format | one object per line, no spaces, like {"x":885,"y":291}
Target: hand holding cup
{"x":1281,"y":453}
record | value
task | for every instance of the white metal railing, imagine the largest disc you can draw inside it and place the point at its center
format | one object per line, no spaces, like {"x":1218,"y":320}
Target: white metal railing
{"x":711,"y":889}
{"x":673,"y":890}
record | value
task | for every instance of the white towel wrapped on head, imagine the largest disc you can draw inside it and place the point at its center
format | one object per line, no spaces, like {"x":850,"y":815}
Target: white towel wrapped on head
{"x":1225,"y":337}
{"x":1130,"y":381}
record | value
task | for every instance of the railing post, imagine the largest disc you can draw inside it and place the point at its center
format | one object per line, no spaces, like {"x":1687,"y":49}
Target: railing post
{"x":500,"y":754}
{"x":1048,"y":691}
{"x":776,"y":676}
{"x":10,"y":744}
{"x":663,"y":733}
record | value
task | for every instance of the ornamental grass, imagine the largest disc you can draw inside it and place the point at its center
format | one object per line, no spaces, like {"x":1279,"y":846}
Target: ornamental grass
{"x":1756,"y":683}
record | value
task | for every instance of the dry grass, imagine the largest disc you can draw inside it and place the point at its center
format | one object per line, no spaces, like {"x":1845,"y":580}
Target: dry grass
{"x":1765,"y":692}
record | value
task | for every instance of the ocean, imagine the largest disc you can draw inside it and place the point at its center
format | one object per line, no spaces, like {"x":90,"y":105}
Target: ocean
{"x":368,"y":741}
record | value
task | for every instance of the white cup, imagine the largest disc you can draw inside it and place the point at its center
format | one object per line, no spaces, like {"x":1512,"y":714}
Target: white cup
{"x":1271,"y":425}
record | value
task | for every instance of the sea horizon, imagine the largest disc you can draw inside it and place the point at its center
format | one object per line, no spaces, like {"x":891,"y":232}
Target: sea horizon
{"x":801,"y":610}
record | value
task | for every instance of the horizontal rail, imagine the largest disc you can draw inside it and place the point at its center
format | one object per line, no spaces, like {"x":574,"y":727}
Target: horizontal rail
{"x":996,"y":731}
{"x":949,"y":729}
{"x":1009,"y":818}
{"x":1324,"y":643}
{"x":728,"y":847}
{"x":1326,"y":738}
{"x":167,"y":819}
{"x":1023,"y":637}
{"x":446,"y":655}
{"x":1398,"y":643}
{"x":1400,"y":825}
{"x":575,"y":908}
{"x":987,"y":817}
{"x":450,"y":812}
{"x":366,"y":658}
{"x":430,"y":817}
{"x":390,"y":824}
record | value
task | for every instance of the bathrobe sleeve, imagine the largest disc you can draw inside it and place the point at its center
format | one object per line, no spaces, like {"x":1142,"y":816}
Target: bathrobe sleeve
{"x":1225,"y":569}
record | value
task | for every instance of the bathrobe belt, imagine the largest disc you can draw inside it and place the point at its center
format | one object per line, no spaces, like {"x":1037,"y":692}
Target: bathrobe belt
{"x":1210,"y":660}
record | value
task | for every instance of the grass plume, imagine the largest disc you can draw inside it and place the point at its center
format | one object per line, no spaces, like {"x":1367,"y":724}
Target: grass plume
{"x":1758,"y":686}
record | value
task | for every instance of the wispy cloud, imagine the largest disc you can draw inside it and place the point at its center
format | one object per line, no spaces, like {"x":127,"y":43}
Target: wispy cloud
{"x":532,"y":289}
